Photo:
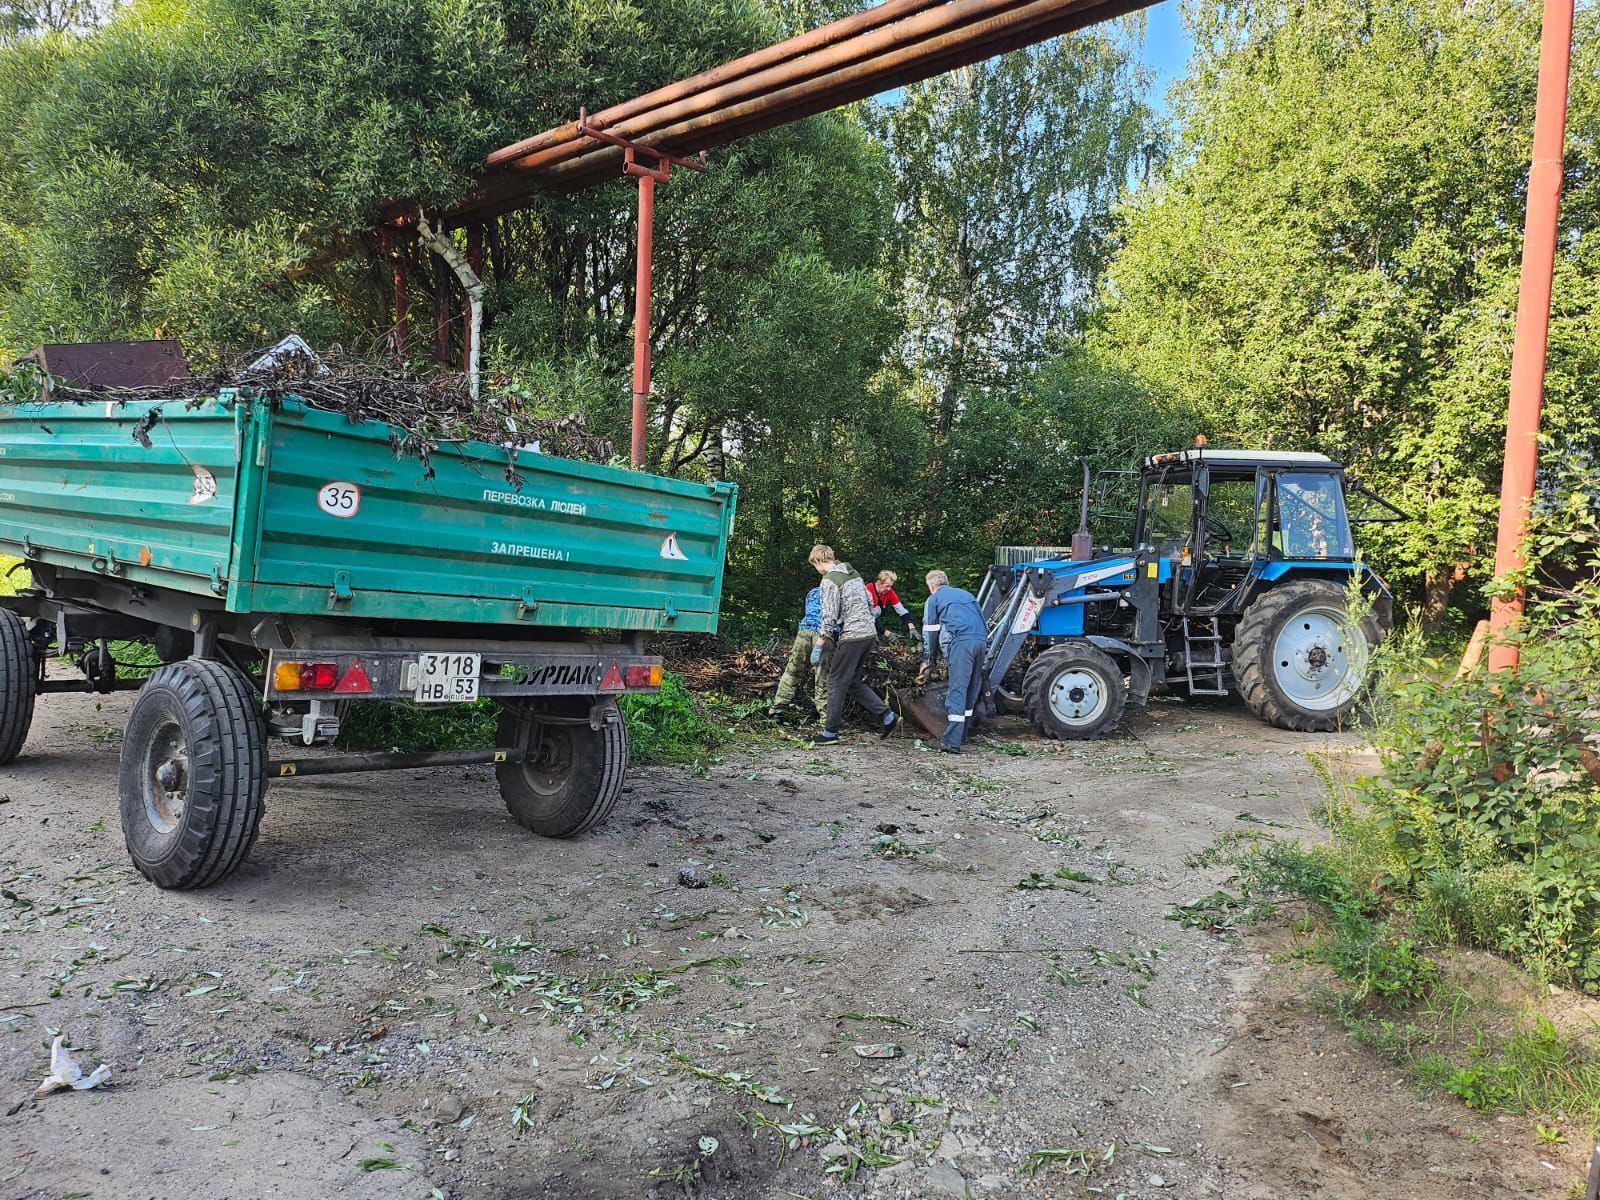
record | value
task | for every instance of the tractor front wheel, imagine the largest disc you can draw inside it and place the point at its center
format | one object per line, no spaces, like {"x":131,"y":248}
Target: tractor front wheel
{"x":1302,"y":662}
{"x":1074,"y":692}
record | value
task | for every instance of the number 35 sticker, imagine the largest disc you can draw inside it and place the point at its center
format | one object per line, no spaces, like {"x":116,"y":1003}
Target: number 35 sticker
{"x":339,"y":499}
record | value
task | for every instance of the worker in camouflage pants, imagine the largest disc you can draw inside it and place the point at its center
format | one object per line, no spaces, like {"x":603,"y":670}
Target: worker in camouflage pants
{"x":792,"y":684}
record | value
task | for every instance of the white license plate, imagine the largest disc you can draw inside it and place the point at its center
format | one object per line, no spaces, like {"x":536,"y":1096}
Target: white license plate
{"x":448,"y":678}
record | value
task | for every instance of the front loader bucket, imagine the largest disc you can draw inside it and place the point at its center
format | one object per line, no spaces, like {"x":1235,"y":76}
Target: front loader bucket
{"x":926,"y":707}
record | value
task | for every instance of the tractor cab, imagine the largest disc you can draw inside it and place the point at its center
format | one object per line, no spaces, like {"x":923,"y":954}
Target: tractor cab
{"x":1232,"y":520}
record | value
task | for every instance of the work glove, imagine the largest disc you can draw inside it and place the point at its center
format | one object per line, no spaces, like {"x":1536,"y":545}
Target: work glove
{"x":923,"y":672}
{"x":911,"y":632}
{"x":816,"y":653}
{"x":890,"y":635}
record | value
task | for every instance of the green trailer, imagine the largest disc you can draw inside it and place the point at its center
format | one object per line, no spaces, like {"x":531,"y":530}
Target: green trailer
{"x":284,"y":562}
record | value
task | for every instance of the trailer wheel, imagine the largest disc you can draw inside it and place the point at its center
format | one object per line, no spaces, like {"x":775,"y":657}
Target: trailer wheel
{"x":1074,"y":692}
{"x":19,"y":680}
{"x":571,"y":777}
{"x":194,"y":774}
{"x":1300,"y":662}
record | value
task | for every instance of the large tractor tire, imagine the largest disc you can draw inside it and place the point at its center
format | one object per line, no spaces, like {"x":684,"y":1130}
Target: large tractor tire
{"x":1074,"y":692}
{"x":571,"y":776}
{"x":194,"y":774}
{"x":19,"y":681}
{"x":1301,"y":662}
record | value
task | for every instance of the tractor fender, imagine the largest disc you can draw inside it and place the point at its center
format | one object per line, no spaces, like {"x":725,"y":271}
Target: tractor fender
{"x":1139,"y":676}
{"x":1276,"y":574}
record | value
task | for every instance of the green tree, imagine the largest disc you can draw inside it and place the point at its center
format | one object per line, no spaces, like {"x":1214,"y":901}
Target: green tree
{"x":1007,"y":173}
{"x":1331,"y":261}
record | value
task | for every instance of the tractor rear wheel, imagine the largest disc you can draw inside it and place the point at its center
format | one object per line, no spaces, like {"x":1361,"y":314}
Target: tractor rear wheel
{"x":1300,"y":660}
{"x":1074,"y":692}
{"x":571,"y":776}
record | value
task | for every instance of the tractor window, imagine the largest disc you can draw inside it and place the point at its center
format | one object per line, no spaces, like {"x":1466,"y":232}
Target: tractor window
{"x":1231,"y":517}
{"x":1311,"y":517}
{"x":1171,"y":518}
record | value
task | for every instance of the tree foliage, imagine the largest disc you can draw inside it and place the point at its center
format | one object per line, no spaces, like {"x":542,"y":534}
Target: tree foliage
{"x":1331,"y":263}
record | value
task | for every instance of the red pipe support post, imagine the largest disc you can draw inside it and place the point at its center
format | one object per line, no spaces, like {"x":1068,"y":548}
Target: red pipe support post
{"x":1533,"y":321}
{"x":648,"y":178}
{"x":641,"y":305}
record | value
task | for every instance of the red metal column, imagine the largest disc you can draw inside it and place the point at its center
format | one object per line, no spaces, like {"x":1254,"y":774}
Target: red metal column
{"x":1533,"y":318}
{"x":641,"y":315}
{"x":475,"y":261}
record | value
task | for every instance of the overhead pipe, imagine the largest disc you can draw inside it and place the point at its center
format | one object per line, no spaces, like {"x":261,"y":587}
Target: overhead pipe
{"x":1019,"y":27}
{"x":1533,"y":323}
{"x":733,"y":69}
{"x":501,"y":192}
{"x":874,"y":47}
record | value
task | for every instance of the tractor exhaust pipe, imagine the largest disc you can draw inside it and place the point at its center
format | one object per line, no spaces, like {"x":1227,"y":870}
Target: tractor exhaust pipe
{"x":1082,"y":541}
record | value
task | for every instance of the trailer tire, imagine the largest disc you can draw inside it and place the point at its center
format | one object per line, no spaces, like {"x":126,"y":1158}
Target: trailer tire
{"x":572,"y":776}
{"x":19,"y":682}
{"x":194,"y":774}
{"x":1074,"y":692}
{"x":1282,"y":649}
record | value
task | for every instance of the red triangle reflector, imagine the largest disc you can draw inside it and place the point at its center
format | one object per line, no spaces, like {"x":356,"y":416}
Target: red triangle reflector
{"x":613,"y":680}
{"x":354,"y":680}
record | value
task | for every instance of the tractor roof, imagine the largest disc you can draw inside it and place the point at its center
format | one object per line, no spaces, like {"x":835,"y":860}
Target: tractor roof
{"x":1240,"y":458}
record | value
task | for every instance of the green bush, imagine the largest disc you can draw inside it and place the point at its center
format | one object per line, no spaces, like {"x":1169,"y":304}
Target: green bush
{"x":667,"y":727}
{"x":1486,"y":802}
{"x":670,"y":726}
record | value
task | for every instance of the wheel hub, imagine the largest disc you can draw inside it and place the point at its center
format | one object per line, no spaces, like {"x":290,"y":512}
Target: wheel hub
{"x":1319,"y":660}
{"x":1077,"y":697}
{"x":166,"y":778}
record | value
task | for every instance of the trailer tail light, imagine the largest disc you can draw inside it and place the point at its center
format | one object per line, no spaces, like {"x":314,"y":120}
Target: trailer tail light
{"x":306,"y":677}
{"x":642,"y":675}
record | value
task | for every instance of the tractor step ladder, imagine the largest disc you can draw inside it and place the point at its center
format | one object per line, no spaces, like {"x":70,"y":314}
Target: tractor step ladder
{"x":1205,"y":674}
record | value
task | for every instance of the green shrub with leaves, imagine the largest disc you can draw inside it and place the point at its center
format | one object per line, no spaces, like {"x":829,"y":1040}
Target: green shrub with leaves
{"x":1490,"y":793}
{"x":667,"y":727}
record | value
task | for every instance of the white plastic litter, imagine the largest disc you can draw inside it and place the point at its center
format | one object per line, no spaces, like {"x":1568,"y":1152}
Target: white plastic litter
{"x":66,"y":1073}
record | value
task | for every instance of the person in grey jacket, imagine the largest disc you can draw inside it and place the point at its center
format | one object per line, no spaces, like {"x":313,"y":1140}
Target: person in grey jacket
{"x":849,"y":626}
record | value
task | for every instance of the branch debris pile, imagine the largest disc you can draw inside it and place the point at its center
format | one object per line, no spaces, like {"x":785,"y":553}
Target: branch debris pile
{"x":423,"y":410}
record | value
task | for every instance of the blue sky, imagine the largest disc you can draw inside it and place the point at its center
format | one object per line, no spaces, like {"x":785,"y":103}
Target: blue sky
{"x":1166,"y":47}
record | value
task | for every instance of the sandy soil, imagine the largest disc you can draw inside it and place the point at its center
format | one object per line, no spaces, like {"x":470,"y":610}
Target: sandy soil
{"x":402,"y":994}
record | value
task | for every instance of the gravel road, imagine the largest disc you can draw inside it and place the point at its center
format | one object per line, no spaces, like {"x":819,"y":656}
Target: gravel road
{"x":797,"y":973}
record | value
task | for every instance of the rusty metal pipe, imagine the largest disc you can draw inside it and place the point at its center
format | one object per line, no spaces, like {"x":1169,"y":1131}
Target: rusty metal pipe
{"x":641,"y":316}
{"x":1533,"y":321}
{"x":505,"y":192}
{"x":875,"y":48}
{"x":1020,"y":26}
{"x":804,"y":43}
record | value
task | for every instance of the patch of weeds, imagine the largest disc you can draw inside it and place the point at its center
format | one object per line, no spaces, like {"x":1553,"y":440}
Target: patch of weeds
{"x":410,"y":729}
{"x":670,"y":726}
{"x":888,"y":846}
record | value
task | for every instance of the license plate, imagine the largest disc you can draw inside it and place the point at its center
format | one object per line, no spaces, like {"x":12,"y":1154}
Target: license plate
{"x":448,"y":678}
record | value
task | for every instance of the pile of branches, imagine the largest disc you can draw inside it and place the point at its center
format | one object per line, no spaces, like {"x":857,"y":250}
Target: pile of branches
{"x":423,"y":411}
{"x":710,"y":665}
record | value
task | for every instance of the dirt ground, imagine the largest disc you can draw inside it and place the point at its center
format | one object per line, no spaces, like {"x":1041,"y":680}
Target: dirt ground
{"x":403,"y":994}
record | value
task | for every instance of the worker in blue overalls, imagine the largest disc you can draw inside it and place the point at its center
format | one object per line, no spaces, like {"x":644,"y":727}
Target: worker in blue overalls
{"x":952,"y":623}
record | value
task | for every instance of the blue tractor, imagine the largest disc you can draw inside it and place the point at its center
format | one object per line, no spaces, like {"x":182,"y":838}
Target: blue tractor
{"x":1239,"y":581}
